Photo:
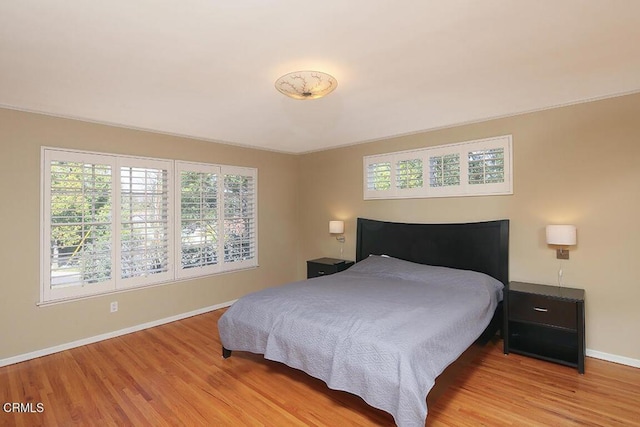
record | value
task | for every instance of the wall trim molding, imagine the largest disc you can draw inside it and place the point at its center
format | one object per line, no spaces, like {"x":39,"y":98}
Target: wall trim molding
{"x":622,"y":360}
{"x":67,"y":346}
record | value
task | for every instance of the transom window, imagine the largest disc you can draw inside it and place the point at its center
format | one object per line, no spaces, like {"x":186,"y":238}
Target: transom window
{"x":473,"y":168}
{"x":116,"y":222}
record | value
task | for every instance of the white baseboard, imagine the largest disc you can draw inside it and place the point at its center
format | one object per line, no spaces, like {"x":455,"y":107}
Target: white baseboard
{"x":46,"y":351}
{"x":613,"y":358}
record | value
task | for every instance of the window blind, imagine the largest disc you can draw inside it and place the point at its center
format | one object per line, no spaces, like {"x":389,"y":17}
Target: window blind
{"x":239,"y":217}
{"x":378,"y":176}
{"x":409,"y":173}
{"x":480,"y":167}
{"x":199,"y":219}
{"x":444,"y":170}
{"x":486,"y":166}
{"x":81,"y":229}
{"x":144,"y":222}
{"x":108,"y":221}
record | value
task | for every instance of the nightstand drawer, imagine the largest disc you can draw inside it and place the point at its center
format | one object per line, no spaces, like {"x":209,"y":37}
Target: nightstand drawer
{"x":316,"y":270}
{"x":326,"y":266}
{"x":542,"y":309}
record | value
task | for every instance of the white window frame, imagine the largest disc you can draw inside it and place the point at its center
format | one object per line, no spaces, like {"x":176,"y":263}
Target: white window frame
{"x":173,"y":271}
{"x":426,"y":191}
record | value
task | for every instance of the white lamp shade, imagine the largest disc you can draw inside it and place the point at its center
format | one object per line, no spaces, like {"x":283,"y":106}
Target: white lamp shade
{"x":561,"y":235}
{"x":336,"y":227}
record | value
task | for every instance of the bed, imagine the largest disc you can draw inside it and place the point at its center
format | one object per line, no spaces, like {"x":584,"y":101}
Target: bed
{"x":418,"y":296}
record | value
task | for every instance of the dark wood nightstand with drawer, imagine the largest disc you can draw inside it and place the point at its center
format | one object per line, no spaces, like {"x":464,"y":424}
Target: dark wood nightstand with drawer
{"x":546,"y":322}
{"x":325,"y":266}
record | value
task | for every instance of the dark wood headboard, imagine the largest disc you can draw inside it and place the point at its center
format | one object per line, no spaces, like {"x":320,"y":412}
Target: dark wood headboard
{"x":477,"y":246}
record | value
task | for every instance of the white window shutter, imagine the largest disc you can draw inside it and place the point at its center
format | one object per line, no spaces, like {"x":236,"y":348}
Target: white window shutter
{"x":472,"y":168}
{"x":108,"y":222}
{"x":240,"y":224}
{"x":198,"y":227}
{"x":379,"y":177}
{"x":78,"y":229}
{"x":145,"y":213}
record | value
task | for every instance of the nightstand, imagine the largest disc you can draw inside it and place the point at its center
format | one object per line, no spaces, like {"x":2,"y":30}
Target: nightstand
{"x":325,"y":266}
{"x":546,"y":322}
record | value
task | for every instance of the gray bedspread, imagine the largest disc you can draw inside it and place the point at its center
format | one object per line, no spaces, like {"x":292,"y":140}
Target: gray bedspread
{"x":383,"y":329}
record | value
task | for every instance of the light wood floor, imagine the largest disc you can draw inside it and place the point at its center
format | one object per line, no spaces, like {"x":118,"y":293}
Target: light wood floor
{"x":174,"y":375}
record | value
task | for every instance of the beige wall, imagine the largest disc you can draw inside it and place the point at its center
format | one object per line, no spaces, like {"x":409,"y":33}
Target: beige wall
{"x":24,"y":327}
{"x":577,"y":164}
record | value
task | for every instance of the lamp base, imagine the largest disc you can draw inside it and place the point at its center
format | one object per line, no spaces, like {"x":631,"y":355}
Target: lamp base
{"x":562,"y":253}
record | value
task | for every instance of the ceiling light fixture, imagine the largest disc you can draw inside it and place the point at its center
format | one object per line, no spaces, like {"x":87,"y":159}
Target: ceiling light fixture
{"x":306,"y":84}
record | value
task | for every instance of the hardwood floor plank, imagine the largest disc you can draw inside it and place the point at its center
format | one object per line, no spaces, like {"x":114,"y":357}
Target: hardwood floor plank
{"x":174,"y":375}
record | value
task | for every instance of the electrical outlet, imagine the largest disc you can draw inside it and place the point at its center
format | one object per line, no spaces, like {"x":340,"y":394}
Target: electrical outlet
{"x":114,"y":306}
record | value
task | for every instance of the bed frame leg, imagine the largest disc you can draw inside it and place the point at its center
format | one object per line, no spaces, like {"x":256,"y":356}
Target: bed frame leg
{"x":226,"y":353}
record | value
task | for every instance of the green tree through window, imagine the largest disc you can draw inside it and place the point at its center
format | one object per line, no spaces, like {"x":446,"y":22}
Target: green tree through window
{"x":81,"y":230}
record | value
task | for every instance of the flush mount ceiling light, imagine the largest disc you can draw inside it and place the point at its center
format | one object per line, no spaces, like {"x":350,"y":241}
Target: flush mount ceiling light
{"x":306,"y":84}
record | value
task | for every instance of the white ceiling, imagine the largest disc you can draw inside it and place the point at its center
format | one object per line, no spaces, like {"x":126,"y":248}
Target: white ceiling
{"x":206,"y":69}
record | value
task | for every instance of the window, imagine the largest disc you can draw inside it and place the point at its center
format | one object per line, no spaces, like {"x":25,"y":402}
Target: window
{"x":198,"y":225}
{"x":486,"y":166}
{"x":444,"y":170}
{"x":79,"y":230}
{"x":409,"y":173}
{"x":108,"y":220}
{"x":239,"y":217}
{"x":218,"y":218}
{"x":143,"y":220}
{"x":473,"y":168}
{"x":379,"y":176}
